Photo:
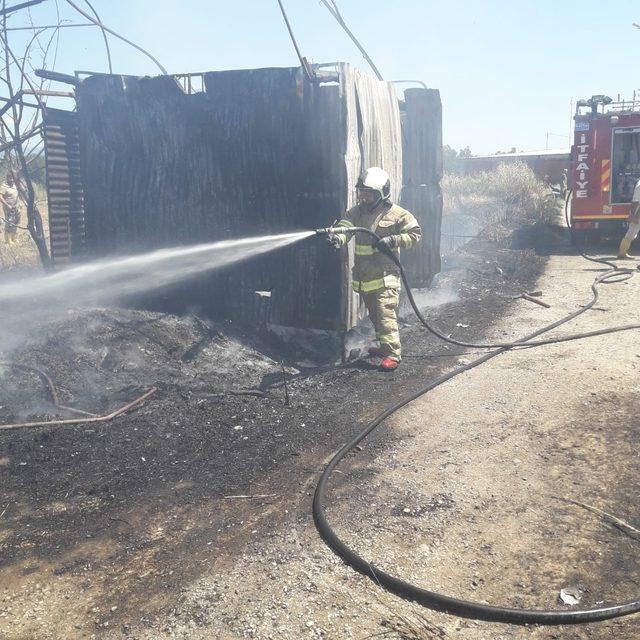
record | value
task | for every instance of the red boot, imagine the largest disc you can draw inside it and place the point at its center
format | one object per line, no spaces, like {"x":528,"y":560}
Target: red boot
{"x":375,"y":351}
{"x":389,"y":364}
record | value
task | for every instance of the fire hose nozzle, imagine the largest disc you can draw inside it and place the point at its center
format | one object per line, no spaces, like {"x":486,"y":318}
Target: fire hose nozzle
{"x":326,"y":231}
{"x":348,"y":231}
{"x":329,"y":230}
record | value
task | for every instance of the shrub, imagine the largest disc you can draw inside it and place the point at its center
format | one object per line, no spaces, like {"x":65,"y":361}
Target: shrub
{"x":508,"y":197}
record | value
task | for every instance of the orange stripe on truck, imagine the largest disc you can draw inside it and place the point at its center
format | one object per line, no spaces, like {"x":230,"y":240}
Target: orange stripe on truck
{"x":605,"y":179}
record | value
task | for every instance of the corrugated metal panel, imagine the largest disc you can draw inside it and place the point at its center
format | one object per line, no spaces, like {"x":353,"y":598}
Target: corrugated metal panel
{"x":375,"y":136}
{"x":422,"y":171}
{"x":64,"y":186}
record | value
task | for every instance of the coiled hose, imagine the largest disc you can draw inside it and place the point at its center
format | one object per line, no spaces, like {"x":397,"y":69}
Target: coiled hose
{"x":431,"y":599}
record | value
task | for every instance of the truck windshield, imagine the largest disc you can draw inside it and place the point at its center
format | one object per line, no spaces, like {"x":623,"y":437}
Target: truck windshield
{"x":625,"y":164}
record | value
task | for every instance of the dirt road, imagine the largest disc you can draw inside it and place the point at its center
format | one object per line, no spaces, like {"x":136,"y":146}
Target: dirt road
{"x":460,"y":492}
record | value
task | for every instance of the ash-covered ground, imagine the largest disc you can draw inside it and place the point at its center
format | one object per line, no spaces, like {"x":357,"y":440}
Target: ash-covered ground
{"x":102,"y":358}
{"x":189,"y":514}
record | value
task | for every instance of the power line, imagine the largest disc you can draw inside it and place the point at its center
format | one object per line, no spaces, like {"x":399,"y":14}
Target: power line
{"x":52,"y":26}
{"x":117,"y":35}
{"x":104,"y":34}
{"x":303,"y":61}
{"x":335,"y":12}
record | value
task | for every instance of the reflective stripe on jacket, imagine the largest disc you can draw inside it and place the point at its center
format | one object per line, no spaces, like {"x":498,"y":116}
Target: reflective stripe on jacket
{"x":372,"y":270}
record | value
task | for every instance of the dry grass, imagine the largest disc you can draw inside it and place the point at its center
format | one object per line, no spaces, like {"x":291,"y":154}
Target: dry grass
{"x":409,"y":628}
{"x":24,"y":254}
{"x":400,"y":626}
{"x":501,"y":199}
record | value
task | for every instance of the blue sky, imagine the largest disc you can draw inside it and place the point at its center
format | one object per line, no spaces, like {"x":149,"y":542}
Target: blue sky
{"x":507,"y":70}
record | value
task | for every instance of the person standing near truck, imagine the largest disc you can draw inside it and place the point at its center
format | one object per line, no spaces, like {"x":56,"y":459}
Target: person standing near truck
{"x":634,"y":225}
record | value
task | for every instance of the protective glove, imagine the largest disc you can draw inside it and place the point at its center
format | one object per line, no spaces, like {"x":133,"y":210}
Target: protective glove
{"x":385,"y":244}
{"x":334,"y":240}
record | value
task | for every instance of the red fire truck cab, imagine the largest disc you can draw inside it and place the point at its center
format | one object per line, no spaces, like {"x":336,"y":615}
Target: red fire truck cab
{"x":605,"y":164}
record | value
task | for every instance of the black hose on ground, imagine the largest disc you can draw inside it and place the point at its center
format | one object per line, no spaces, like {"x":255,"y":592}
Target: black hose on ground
{"x":431,"y":599}
{"x":614,"y":275}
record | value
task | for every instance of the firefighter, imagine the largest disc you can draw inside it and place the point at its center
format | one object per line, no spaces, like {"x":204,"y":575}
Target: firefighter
{"x":634,"y":225}
{"x":375,"y":277}
{"x":9,"y":201}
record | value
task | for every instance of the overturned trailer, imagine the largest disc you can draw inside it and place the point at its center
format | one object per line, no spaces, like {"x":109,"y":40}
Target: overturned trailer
{"x":145,"y":163}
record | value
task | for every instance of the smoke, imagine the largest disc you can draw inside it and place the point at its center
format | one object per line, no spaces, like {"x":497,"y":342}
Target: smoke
{"x":427,"y":299}
{"x":356,"y":340}
{"x":26,"y":303}
{"x":22,"y":395}
{"x":457,"y":230}
{"x":362,"y":336}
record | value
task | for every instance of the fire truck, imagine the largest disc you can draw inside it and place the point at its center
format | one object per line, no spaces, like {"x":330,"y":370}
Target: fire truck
{"x":605,"y":164}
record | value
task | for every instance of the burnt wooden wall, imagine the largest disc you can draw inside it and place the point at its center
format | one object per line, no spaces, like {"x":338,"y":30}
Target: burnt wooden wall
{"x":258,"y":152}
{"x":422,"y":169}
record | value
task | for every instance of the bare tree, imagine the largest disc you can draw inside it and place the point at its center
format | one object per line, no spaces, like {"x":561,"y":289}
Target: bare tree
{"x":21,"y":111}
{"x":26,"y":49}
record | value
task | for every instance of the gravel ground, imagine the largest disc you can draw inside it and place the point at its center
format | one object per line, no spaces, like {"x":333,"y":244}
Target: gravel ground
{"x":134,"y":528}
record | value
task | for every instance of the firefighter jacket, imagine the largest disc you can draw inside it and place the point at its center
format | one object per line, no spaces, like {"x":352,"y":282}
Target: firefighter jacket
{"x":372,"y":270}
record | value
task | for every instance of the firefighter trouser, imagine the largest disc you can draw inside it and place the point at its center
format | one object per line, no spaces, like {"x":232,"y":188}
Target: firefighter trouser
{"x":382,"y":306}
{"x":630,"y":236}
{"x":632,"y":231}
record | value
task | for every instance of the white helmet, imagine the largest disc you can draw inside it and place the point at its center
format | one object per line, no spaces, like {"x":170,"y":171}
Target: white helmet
{"x":376,"y":179}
